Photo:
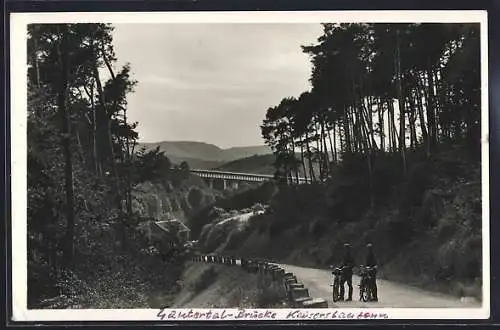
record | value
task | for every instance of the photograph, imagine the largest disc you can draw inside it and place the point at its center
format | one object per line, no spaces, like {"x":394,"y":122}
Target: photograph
{"x":249,"y":166}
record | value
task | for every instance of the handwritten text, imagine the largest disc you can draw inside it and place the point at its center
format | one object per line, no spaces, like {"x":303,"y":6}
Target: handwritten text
{"x":264,"y":314}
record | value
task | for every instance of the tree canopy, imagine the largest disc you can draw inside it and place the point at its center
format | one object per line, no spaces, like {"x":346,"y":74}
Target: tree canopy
{"x":378,"y":88}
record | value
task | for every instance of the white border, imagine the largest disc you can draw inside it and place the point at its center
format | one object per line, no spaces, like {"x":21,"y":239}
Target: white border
{"x":18,"y":59}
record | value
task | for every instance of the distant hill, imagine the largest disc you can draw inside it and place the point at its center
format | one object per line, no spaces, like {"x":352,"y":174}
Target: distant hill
{"x":258,"y":164}
{"x":195,"y":162}
{"x":204,"y":155}
{"x":244,"y":152}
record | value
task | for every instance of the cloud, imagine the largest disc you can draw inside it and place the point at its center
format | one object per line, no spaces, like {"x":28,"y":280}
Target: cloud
{"x":212,"y":82}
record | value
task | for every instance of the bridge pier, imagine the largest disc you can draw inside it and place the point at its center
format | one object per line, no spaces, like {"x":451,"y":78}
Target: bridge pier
{"x":209,"y":182}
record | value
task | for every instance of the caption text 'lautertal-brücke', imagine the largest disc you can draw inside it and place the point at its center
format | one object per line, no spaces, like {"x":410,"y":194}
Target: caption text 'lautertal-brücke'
{"x":264,"y":314}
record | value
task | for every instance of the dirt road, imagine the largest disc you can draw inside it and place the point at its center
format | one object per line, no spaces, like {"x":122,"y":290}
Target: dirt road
{"x":390,"y":294}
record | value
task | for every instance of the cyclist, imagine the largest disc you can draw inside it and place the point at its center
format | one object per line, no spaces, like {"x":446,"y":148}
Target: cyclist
{"x":347,"y":266}
{"x":371,"y":262}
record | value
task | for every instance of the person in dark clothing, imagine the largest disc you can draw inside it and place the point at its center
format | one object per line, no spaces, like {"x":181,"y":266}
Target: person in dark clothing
{"x":347,"y":266}
{"x":371,"y":262}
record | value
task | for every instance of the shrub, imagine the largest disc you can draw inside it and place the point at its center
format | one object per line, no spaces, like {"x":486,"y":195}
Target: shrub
{"x":317,"y":228}
{"x":195,"y":197}
{"x":234,"y":239}
{"x":446,"y":227}
{"x":401,"y":231}
{"x":269,"y":295}
{"x":204,"y":280}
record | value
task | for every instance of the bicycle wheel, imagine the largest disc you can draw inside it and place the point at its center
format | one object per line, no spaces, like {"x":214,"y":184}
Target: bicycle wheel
{"x":364,"y":295}
{"x":335,"y":292}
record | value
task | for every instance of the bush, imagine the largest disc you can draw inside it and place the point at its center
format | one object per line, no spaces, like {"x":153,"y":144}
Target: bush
{"x":195,"y":198}
{"x":401,"y":231}
{"x":317,"y":228}
{"x":214,"y":238}
{"x":259,"y":222}
{"x":206,"y":278}
{"x":234,"y":239}
{"x":446,"y":227}
{"x":270,"y":297}
{"x":268,"y":294}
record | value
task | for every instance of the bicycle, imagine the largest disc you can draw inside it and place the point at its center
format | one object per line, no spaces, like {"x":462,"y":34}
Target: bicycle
{"x":367,"y":275}
{"x":337,"y":280}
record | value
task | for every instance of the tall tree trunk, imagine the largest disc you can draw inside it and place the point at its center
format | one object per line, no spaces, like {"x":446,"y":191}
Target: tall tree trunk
{"x":64,"y":112}
{"x":437,"y":109}
{"x":401,"y":102}
{"x":107,"y":63}
{"x":110,"y":137}
{"x":381,"y":125}
{"x":106,"y":149}
{"x":81,"y":153}
{"x":319,"y":152}
{"x":35,"y":59}
{"x":362,"y":135}
{"x":365,"y":134}
{"x":355,"y":127}
{"x":100,"y":120}
{"x":355,"y":118}
{"x":367,"y":124}
{"x":295,"y":166}
{"x":392,"y":123}
{"x":412,"y":119}
{"x":309,"y":158}
{"x":389,"y":127}
{"x":332,"y":148}
{"x":90,"y":94}
{"x":421,"y":119}
{"x":401,"y":106}
{"x":335,"y":154}
{"x":431,"y":108}
{"x":302,"y":160}
{"x":355,"y":130}
{"x":369,"y":116}
{"x":324,"y":146}
{"x":347,"y":133}
{"x":341,"y":137}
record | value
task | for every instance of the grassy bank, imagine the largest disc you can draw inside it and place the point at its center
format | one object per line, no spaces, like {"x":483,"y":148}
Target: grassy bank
{"x":219,"y":286}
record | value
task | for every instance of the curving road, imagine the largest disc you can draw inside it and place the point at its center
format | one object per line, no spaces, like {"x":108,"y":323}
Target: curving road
{"x":390,"y":294}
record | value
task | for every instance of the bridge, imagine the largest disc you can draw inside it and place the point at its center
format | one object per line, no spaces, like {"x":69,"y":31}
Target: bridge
{"x":234,"y":178}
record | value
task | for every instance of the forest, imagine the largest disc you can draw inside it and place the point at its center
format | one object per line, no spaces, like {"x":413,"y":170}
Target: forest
{"x":390,"y":137}
{"x":83,"y":169}
{"x":379,"y":88}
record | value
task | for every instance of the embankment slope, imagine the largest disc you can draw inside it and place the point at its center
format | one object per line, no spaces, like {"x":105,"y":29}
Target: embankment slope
{"x":221,"y":286}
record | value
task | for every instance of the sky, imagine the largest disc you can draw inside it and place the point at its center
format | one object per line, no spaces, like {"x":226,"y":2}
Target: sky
{"x":212,"y":82}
